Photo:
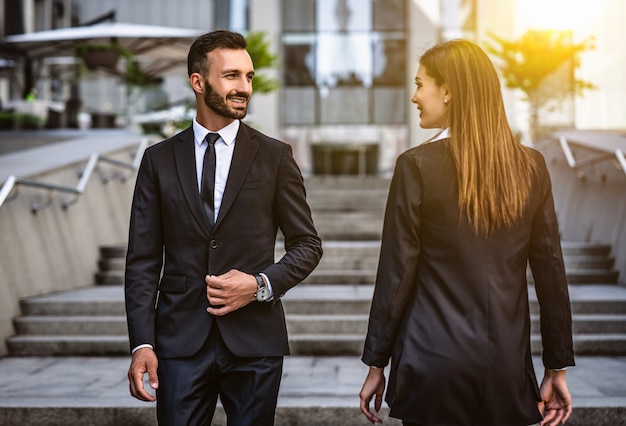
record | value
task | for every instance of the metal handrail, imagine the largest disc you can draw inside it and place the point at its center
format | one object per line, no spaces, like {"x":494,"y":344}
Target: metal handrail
{"x":575,"y":164}
{"x":11,"y":184}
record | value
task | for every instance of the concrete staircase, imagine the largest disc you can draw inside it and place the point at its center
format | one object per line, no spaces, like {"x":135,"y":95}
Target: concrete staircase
{"x":327,"y":314}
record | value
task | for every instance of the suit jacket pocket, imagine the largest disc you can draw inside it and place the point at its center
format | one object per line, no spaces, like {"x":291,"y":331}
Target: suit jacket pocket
{"x":255,"y":183}
{"x":173,"y":284}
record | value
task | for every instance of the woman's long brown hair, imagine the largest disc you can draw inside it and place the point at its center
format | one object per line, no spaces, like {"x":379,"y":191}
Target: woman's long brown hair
{"x":494,"y":170}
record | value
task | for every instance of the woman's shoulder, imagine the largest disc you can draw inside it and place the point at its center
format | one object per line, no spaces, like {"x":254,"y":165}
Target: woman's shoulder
{"x":537,"y":158}
{"x":430,"y":148}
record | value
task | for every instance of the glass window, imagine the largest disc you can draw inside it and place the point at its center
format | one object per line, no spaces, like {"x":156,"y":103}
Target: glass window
{"x":344,"y":106}
{"x":298,"y":105}
{"x":344,"y":59}
{"x":390,"y":105}
{"x":390,"y":61}
{"x":389,"y":15}
{"x":298,"y":15}
{"x":299,"y":59}
{"x":344,"y":15}
{"x":231,"y":14}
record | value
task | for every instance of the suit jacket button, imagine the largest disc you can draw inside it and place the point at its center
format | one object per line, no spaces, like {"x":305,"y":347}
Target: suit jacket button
{"x":213,"y":244}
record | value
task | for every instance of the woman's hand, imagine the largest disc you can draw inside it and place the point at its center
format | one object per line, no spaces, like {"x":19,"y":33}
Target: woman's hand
{"x":556,"y":401}
{"x":374,"y":385}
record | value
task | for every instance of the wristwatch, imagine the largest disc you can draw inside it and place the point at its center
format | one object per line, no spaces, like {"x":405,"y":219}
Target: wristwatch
{"x":263,"y":292}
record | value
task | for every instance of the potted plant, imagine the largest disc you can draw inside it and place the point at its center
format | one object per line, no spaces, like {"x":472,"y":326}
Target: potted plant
{"x":101,"y":56}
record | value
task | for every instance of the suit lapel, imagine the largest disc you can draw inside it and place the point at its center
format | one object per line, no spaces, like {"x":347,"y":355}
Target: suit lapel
{"x":185,"y":158}
{"x":246,"y":147}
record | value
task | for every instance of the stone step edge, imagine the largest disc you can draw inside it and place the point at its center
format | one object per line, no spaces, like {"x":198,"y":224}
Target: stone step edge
{"x":292,"y":336}
{"x":295,"y":317}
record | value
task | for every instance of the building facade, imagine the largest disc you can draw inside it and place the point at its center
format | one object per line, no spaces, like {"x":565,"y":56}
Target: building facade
{"x":347,"y":66}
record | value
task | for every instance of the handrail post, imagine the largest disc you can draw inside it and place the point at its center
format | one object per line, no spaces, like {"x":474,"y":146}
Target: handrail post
{"x":569,"y":155}
{"x":6,"y":189}
{"x":82,"y":183}
{"x":621,"y":158}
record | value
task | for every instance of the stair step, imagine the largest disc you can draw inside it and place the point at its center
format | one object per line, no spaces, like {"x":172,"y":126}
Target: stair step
{"x":341,"y":277}
{"x":589,"y":276}
{"x":327,"y":324}
{"x":319,"y":276}
{"x":591,"y":344}
{"x":322,"y":320}
{"x":318,"y":183}
{"x":577,"y":255}
{"x":591,"y":324}
{"x":368,"y":276}
{"x":301,"y":344}
{"x":62,"y":345}
{"x":113,"y":251}
{"x":585,"y":277}
{"x":326,"y":344}
{"x":304,"y":299}
{"x":574,"y":248}
{"x":331,"y":248}
{"x":346,"y":200}
{"x":349,"y":226}
{"x":95,"y":300}
{"x":332,"y":345}
{"x":589,"y":262}
{"x":296,"y":323}
{"x":112,"y":264}
{"x":71,"y":325}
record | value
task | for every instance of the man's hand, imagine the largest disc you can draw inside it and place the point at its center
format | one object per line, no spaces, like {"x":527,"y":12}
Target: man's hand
{"x":144,"y":361}
{"x":374,"y":385}
{"x":230,"y":291}
{"x":556,"y":401}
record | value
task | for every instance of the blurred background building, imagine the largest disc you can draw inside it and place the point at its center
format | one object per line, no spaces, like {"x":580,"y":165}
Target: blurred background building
{"x":346,"y":66}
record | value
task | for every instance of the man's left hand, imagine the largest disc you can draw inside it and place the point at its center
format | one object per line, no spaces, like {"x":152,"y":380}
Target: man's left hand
{"x":230,"y":291}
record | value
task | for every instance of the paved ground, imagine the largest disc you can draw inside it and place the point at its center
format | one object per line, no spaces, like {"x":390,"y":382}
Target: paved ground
{"x":308,"y":382}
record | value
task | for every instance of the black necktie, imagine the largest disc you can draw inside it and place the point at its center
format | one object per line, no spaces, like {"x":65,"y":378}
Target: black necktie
{"x":208,"y":178}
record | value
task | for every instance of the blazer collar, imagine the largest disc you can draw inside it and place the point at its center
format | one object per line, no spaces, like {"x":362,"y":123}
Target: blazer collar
{"x":246,"y":147}
{"x":185,"y":160}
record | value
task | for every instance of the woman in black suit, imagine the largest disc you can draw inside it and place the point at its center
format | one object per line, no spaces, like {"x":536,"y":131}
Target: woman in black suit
{"x":466,"y":212}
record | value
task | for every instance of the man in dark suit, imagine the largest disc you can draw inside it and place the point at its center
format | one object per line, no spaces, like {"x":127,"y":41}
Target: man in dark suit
{"x":202,"y":286}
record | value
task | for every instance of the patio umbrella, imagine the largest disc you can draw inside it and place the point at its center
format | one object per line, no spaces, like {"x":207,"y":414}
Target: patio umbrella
{"x":158,"y":48}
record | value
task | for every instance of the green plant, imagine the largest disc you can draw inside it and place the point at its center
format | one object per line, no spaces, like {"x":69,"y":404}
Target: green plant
{"x":542,"y":64}
{"x":85,"y":49}
{"x":262,"y":58}
{"x":101,"y":56}
{"x":135,"y":76}
{"x":19,"y":120}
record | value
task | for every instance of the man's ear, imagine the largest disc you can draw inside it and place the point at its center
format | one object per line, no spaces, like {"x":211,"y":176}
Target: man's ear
{"x":197,"y":82}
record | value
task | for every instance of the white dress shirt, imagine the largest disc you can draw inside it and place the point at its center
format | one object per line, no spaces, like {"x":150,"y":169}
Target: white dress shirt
{"x":224,"y":149}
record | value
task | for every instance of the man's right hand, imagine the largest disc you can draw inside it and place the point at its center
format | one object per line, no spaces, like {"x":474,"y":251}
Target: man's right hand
{"x":144,"y":361}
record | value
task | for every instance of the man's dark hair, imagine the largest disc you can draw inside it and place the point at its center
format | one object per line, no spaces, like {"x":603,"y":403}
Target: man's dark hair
{"x":220,"y":39}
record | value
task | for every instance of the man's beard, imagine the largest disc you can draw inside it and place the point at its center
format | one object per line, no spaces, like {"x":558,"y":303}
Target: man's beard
{"x":218,"y":105}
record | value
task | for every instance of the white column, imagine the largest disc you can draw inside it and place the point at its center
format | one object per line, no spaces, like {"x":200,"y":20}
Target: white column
{"x":265,"y":16}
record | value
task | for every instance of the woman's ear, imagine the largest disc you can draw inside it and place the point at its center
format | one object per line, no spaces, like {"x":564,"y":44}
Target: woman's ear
{"x":445,"y":92}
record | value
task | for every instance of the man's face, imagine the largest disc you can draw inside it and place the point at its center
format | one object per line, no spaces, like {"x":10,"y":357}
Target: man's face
{"x":229,"y":82}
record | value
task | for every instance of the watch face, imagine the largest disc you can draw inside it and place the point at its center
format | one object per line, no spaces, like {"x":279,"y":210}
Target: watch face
{"x":263,"y":294}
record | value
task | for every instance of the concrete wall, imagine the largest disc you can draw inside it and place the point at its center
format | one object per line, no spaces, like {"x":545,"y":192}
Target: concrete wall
{"x":590,"y":201}
{"x":57,"y":249}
